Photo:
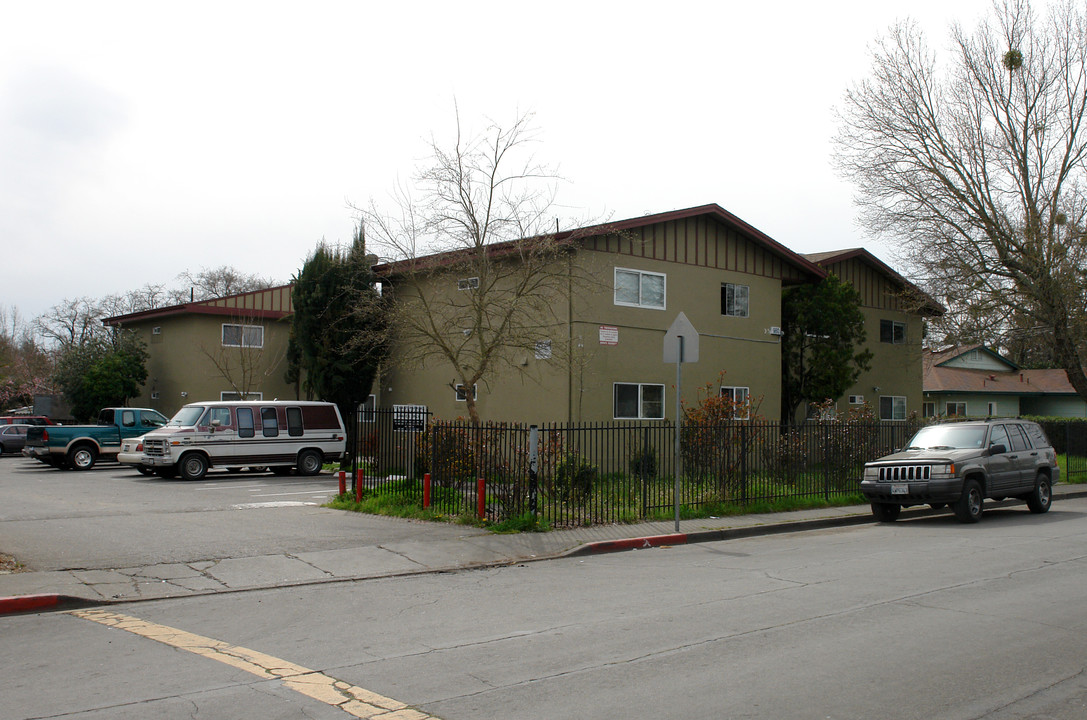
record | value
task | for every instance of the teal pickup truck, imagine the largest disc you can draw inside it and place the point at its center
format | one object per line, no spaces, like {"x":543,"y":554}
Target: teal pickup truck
{"x":79,"y":447}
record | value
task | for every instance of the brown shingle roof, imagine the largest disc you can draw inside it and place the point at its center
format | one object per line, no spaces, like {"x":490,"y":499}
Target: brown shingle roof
{"x":939,"y":379}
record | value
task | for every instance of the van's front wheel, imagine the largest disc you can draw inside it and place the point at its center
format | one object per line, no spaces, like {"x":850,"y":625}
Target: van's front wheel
{"x":193,"y":466}
{"x":310,"y":462}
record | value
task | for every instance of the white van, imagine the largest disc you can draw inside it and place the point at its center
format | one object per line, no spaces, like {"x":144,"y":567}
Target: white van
{"x":280,"y":435}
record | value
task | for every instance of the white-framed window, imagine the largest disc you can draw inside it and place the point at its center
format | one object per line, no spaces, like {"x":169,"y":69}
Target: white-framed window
{"x":543,"y":349}
{"x":956,"y":409}
{"x":928,"y":409}
{"x":237,"y":396}
{"x":157,"y":330}
{"x":154,"y":394}
{"x":638,"y":401}
{"x":462,"y":396}
{"x":735,"y":299}
{"x":739,"y":397}
{"x":892,"y":407}
{"x":248,"y":336}
{"x":366,"y":410}
{"x":638,"y":288}
{"x":468,"y":283}
{"x":892,"y":331}
{"x":856,"y":399}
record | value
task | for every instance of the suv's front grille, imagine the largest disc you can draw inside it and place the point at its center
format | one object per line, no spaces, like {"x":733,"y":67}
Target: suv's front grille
{"x":154,"y":447}
{"x":892,"y":473}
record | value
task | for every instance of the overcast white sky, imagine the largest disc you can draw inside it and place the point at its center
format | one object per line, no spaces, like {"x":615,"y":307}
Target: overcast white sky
{"x":141,"y":139}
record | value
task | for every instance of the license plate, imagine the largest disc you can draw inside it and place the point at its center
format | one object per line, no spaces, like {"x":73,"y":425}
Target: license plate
{"x":900,"y":489}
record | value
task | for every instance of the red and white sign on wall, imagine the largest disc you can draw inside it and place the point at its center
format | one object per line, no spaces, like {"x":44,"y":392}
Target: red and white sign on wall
{"x":609,"y":335}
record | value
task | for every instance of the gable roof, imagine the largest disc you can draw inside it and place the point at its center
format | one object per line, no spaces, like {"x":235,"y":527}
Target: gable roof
{"x":942,"y":357}
{"x":927,"y":304}
{"x":712,"y":211}
{"x":940,"y":379}
{"x":271,"y":303}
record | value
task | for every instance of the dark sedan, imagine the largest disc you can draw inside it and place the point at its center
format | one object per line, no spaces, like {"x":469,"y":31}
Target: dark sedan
{"x":12,"y":438}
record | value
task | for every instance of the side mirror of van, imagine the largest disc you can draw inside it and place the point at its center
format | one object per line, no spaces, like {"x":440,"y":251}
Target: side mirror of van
{"x":997,"y":449}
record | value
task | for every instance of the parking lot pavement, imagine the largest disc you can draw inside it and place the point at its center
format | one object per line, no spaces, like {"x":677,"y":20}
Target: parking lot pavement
{"x":137,"y":538}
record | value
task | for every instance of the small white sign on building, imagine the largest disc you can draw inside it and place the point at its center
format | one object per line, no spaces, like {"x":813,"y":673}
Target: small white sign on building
{"x":609,"y":335}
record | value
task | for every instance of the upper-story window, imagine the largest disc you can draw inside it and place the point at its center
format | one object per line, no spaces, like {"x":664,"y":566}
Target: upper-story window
{"x":638,"y":288}
{"x":468,"y":283}
{"x":734,"y":299}
{"x":892,"y":331}
{"x":249,"y":336}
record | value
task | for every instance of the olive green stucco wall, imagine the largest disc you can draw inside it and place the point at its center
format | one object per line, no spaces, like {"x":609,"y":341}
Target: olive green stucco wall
{"x":186,"y":355}
{"x":600,"y":343}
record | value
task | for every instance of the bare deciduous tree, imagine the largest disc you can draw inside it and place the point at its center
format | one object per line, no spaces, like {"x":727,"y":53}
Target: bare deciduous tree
{"x":216,"y":283}
{"x":247,"y":365}
{"x":477,"y":269}
{"x":976,"y":167}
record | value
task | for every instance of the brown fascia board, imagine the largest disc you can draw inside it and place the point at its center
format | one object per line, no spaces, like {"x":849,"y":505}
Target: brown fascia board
{"x":571,"y":236}
{"x":201,"y":308}
{"x":834,"y":256}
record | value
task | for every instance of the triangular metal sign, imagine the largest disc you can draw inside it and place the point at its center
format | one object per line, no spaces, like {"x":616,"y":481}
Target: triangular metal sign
{"x":681,"y":328}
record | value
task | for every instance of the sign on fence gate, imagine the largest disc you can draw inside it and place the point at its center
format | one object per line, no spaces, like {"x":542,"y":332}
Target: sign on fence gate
{"x":409,"y":418}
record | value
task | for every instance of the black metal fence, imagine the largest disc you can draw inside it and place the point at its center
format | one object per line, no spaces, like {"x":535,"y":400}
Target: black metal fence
{"x":590,"y":473}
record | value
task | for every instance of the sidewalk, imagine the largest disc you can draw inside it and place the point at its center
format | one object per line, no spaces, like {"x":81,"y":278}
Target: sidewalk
{"x":473,"y":548}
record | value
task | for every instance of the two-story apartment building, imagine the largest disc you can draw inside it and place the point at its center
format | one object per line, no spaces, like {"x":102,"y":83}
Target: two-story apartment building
{"x":603,"y":359}
{"x":893,"y":309}
{"x":726,"y":277}
{"x":219,"y":349}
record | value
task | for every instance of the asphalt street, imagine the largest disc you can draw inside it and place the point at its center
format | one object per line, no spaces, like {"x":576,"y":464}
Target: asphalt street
{"x":925,"y":618}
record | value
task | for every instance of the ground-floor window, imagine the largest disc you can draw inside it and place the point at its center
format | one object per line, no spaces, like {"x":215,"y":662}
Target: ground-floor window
{"x":928,"y":409}
{"x":956,"y":409}
{"x":638,"y":401}
{"x":739,"y":396}
{"x":892,"y":407}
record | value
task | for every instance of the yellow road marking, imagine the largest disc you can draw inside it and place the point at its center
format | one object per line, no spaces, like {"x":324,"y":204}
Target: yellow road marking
{"x":355,"y":701}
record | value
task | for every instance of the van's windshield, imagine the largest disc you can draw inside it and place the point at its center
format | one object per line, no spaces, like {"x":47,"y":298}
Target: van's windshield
{"x":186,"y":416}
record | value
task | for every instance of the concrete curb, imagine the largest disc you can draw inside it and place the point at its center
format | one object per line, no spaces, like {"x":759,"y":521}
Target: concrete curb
{"x":701,"y":536}
{"x":639,"y":543}
{"x":33,"y":603}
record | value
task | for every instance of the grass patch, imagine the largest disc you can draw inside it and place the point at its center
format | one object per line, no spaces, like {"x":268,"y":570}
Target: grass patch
{"x":393,"y":500}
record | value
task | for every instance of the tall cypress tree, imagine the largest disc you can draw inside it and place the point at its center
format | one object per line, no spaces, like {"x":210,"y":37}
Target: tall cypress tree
{"x":338,"y":333}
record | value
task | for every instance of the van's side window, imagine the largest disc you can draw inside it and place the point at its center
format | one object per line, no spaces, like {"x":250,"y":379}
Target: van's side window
{"x":222,"y":414}
{"x":269,"y":422}
{"x":245,"y":422}
{"x":294,"y":421}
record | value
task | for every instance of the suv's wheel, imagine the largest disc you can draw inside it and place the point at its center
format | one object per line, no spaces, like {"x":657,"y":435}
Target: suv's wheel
{"x":310,"y":462}
{"x":886,"y":512}
{"x":193,"y":466}
{"x":1041,"y":497}
{"x":82,"y":457}
{"x":968,"y":508}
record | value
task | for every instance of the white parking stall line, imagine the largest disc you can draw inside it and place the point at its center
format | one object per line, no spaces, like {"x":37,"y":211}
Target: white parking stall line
{"x":300,"y":492}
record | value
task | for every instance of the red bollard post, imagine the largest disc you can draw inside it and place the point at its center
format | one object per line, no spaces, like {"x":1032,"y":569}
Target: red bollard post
{"x":482,"y":498}
{"x":426,"y":490}
{"x":358,"y":485}
{"x":343,"y":482}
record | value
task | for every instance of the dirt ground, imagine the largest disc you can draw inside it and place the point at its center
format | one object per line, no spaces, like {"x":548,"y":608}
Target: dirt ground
{"x":8,"y":564}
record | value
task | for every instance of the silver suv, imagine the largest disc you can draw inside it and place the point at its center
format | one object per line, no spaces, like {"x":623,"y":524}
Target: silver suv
{"x":962,"y":463}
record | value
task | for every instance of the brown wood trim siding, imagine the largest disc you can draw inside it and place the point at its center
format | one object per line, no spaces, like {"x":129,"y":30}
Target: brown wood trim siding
{"x":697,"y":241}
